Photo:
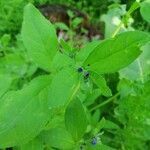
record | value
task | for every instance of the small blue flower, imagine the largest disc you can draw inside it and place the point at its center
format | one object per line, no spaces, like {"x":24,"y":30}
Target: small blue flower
{"x":86,"y":75}
{"x":80,"y":69}
{"x":94,"y":141}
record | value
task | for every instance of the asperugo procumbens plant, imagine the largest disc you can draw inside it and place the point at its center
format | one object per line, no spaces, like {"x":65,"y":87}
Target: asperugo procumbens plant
{"x":51,"y":111}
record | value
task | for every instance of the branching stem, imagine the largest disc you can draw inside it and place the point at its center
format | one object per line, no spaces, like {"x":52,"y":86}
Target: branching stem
{"x":105,"y":102}
{"x":134,"y":6}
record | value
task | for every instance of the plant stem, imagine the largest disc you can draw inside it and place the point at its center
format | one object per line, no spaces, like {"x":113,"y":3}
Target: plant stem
{"x":141,"y":71}
{"x":134,"y":6}
{"x":117,"y":29}
{"x":105,"y":102}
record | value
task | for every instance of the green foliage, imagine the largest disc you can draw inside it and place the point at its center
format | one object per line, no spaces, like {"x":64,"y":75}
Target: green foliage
{"x":112,"y":19}
{"x":145,"y":7}
{"x":41,"y":35}
{"x":63,"y":88}
{"x":74,"y":116}
{"x":107,"y":56}
{"x":139,"y":69}
{"x":101,"y":83}
{"x":135,"y":119}
{"x":58,"y":138}
{"x":5,"y":81}
{"x":10,"y":15}
{"x":56,"y":96}
{"x":20,"y":112}
{"x":85,"y":51}
{"x":35,"y":144}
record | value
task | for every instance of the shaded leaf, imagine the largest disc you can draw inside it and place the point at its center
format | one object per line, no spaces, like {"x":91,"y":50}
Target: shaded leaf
{"x":58,"y":138}
{"x":99,"y":146}
{"x":76,"y":119}
{"x":145,"y":10}
{"x":5,"y":83}
{"x":101,"y":83}
{"x":35,"y":144}
{"x":13,"y":64}
{"x":92,"y":96}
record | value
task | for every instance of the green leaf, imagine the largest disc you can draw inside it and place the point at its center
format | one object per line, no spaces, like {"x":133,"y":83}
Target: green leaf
{"x":99,"y":146}
{"x":58,"y":138}
{"x":57,"y":120}
{"x":61,"y":61}
{"x":91,"y":97}
{"x":133,"y":112}
{"x":125,"y":88}
{"x":24,"y":113}
{"x":61,"y":26}
{"x":113,"y":54}
{"x":5,"y":83}
{"x":75,"y":22}
{"x":5,"y":40}
{"x":101,"y":83}
{"x":100,"y":125}
{"x":139,"y":70}
{"x":85,"y":51}
{"x":70,"y":13}
{"x":110,"y":125}
{"x":65,"y":46}
{"x":76,"y":119}
{"x":13,"y":63}
{"x":145,"y":10}
{"x":35,"y":144}
{"x":63,"y":88}
{"x":95,"y":117}
{"x":39,"y":37}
